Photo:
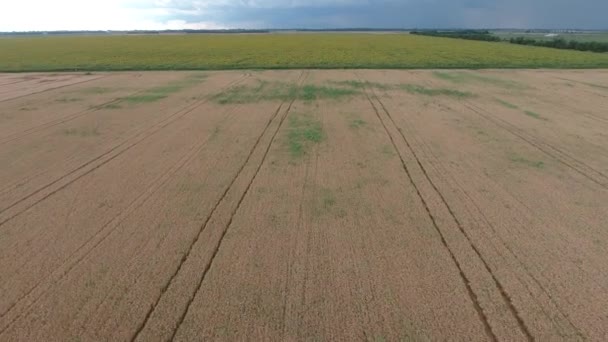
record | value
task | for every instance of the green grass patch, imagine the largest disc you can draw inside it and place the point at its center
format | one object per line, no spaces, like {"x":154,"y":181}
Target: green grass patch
{"x":326,"y":203}
{"x":411,"y":88}
{"x":328,"y":199}
{"x":110,"y":106}
{"x":527,"y":162}
{"x":239,"y":94}
{"x":280,"y":91}
{"x":534,"y":115}
{"x":216,"y":132}
{"x":417,"y":89}
{"x":197,"y":77}
{"x":452,"y":77}
{"x":362,"y":84}
{"x":97,"y":90}
{"x":303,"y":132}
{"x":161,"y":92}
{"x":150,"y":97}
{"x":470,"y":77}
{"x":68,"y":99}
{"x":357,"y":123}
{"x":507,"y":104}
{"x":81,"y":132}
{"x":169,"y":89}
{"x":313,"y":92}
{"x":388,"y":150}
{"x":252,"y":94}
{"x":527,"y":112}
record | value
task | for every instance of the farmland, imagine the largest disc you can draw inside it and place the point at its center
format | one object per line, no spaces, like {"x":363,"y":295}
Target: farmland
{"x":283,"y":205}
{"x":272,"y":51}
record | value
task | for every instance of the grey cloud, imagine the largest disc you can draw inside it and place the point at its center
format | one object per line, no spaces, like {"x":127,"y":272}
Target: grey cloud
{"x":391,"y":13}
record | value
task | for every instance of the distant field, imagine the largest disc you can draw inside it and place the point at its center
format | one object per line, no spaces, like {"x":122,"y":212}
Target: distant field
{"x":215,"y":52}
{"x":583,"y":37}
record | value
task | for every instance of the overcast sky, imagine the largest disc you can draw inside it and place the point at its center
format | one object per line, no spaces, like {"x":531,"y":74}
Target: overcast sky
{"x":26,"y":15}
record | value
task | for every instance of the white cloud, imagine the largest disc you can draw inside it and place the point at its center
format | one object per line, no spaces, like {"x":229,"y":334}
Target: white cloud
{"x":184,"y":25}
{"x":41,"y":15}
{"x":45,"y":15}
{"x":205,"y":4}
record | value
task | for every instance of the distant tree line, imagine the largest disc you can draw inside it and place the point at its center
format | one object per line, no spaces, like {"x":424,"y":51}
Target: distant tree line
{"x":461,"y":34}
{"x":348,"y":29}
{"x":561,"y":43}
{"x":484,"y":35}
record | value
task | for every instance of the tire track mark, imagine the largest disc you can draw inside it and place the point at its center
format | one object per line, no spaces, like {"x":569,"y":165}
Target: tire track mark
{"x":290,"y":260}
{"x":206,"y":100}
{"x":185,"y":257}
{"x":88,"y":163}
{"x":15,"y":82}
{"x":67,"y":118}
{"x":452,"y":180}
{"x":51,"y":89}
{"x":466,"y":282}
{"x":33,"y":130}
{"x":506,"y":298}
{"x":530,"y":140}
{"x":548,"y":145}
{"x":115,"y":222}
{"x":134,"y":205}
{"x":227,"y":226}
{"x":38,"y":81}
{"x":62,"y":121}
{"x":539,"y":146}
{"x":586,"y":84}
{"x":444,"y":107}
{"x":308,"y":232}
{"x":145,"y":133}
{"x":526,"y":271}
{"x":232,"y":111}
{"x":588,"y":115}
